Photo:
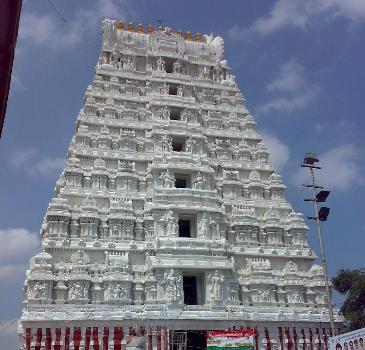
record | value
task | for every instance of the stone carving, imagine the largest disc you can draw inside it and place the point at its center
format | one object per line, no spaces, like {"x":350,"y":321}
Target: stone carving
{"x":185,"y":115}
{"x":167,"y":180}
{"x":234,"y":293}
{"x":78,"y":290}
{"x":214,"y":229}
{"x":180,"y":90}
{"x":151,"y":292}
{"x":216,"y":286}
{"x":165,"y":113}
{"x":80,"y":258}
{"x":171,"y":223}
{"x":203,"y":226}
{"x":204,"y":72}
{"x":263,"y":295}
{"x":164,"y":89}
{"x":39,"y":291}
{"x":291,"y":267}
{"x":200,"y":181}
{"x":176,"y":67}
{"x":173,"y":286}
{"x":119,"y":291}
{"x":160,"y":64}
{"x":166,"y":145}
{"x":258,"y":264}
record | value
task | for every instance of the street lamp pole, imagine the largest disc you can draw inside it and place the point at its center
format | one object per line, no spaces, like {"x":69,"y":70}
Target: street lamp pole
{"x":309,"y":161}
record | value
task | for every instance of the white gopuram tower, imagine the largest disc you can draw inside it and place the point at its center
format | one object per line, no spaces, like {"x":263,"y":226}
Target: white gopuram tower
{"x":168,"y":216}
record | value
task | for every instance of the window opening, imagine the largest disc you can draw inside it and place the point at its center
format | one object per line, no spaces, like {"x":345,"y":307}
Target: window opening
{"x":184,"y":228}
{"x":182,"y":181}
{"x":173,"y":89}
{"x":190,"y":290}
{"x":175,"y":114}
{"x":168,"y":65}
{"x":178,"y":144}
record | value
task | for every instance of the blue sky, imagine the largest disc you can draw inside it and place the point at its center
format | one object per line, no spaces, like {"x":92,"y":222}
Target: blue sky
{"x":299,"y":64}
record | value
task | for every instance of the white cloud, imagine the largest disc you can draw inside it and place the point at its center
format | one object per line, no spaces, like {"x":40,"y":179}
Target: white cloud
{"x":30,"y":161}
{"x":299,"y":14}
{"x":18,"y":246}
{"x":19,"y":242}
{"x":47,"y":166}
{"x":340,"y":169}
{"x":279,"y":151}
{"x":291,"y":81}
{"x":50,"y":30}
{"x":21,"y":157}
{"x":16,"y":82}
{"x":289,"y":104}
{"x":290,"y":78}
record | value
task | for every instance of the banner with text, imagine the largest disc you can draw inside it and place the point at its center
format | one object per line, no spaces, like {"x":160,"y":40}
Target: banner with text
{"x":348,"y":341}
{"x":220,"y":340}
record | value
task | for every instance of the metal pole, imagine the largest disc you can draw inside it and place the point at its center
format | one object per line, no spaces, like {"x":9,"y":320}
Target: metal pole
{"x":324,"y":264}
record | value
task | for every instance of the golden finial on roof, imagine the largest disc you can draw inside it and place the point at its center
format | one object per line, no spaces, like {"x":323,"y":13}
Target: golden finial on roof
{"x":160,"y":28}
{"x":179,"y":32}
{"x":131,"y":27}
{"x":198,"y":37}
{"x":149,"y":29}
{"x":120,"y":25}
{"x":140,"y":28}
{"x":188,"y":36}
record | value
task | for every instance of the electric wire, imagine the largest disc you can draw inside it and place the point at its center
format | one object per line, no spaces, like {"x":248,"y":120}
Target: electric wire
{"x":67,"y":23}
{"x":6,"y":325}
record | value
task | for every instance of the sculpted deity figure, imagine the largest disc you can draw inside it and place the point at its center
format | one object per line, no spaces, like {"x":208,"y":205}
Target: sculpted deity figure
{"x":176,"y":67}
{"x":231,"y":79}
{"x":171,"y":224}
{"x":149,"y":65}
{"x":204,"y":72}
{"x":108,"y":32}
{"x":77,"y":291}
{"x":180,"y":90}
{"x":203,"y":226}
{"x":198,"y":181}
{"x":152,"y":292}
{"x":160,"y":64}
{"x":291,"y":267}
{"x":166,"y":145}
{"x":119,"y":292}
{"x":190,"y":145}
{"x":214,"y":228}
{"x":264,"y":295}
{"x":116,"y":231}
{"x":164,"y":89}
{"x":296,"y":297}
{"x":130,"y":63}
{"x":234,"y":292}
{"x":173,"y":283}
{"x":185,"y":115}
{"x":165,"y":113}
{"x":216,"y":286}
{"x":217,"y":74}
{"x":40,"y":291}
{"x":167,"y":179}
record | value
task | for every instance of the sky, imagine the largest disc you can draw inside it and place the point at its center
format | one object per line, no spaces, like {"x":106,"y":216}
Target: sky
{"x":298,"y":63}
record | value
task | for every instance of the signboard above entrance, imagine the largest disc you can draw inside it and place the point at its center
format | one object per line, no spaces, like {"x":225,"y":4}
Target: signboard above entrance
{"x":219,"y":340}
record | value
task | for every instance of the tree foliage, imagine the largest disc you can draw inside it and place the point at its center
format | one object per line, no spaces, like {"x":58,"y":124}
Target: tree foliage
{"x":351,"y":283}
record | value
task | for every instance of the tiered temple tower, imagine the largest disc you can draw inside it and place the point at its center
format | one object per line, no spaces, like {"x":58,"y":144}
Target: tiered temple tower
{"x":168,"y":215}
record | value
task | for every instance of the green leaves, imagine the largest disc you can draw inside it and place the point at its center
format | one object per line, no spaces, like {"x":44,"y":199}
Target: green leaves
{"x":352,"y":283}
